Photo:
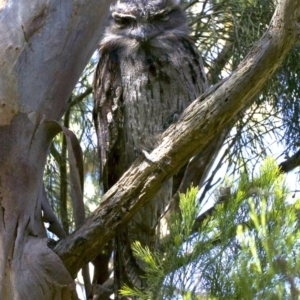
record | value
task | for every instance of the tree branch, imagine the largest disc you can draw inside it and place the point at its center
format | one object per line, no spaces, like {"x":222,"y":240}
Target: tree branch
{"x":206,"y":117}
{"x":291,"y":163}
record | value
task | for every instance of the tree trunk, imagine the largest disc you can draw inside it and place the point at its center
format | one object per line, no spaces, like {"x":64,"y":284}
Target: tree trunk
{"x":44,"y":46}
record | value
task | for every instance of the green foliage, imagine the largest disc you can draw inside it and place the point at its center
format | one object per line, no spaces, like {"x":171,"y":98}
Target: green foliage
{"x":161,"y":270}
{"x":225,"y":31}
{"x":246,"y":247}
{"x":264,"y":265}
{"x":267,"y":267}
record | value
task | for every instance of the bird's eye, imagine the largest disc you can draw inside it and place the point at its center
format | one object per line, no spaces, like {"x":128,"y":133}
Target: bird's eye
{"x":164,"y":17}
{"x":123,"y":21}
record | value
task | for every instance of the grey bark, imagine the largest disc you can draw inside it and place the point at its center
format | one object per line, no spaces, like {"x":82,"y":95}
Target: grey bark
{"x":44,"y":46}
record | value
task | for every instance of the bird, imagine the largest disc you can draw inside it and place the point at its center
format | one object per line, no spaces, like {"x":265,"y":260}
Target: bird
{"x":148,"y":72}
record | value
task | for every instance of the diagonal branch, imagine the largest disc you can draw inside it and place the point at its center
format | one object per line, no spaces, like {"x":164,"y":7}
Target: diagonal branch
{"x":206,"y":117}
{"x":290,"y":163}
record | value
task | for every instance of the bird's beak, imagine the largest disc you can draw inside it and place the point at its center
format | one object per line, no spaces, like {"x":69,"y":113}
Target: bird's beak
{"x":143,"y":33}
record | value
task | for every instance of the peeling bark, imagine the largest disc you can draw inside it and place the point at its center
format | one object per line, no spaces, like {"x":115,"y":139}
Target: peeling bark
{"x":44,"y":46}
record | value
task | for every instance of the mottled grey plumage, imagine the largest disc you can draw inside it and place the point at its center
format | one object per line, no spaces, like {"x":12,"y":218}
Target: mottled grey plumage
{"x":149,"y":72}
